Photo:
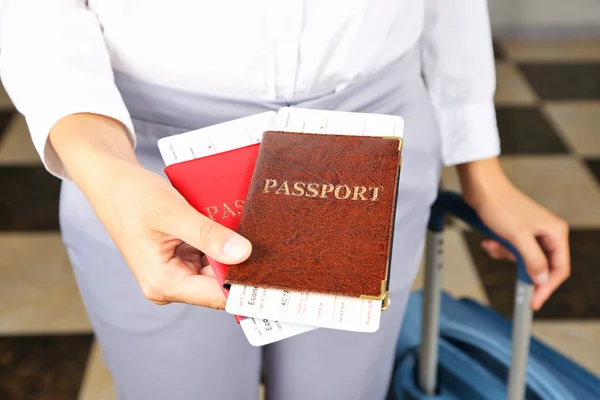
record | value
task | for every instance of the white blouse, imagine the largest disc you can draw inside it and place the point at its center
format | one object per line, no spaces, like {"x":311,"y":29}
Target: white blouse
{"x":57,"y":56}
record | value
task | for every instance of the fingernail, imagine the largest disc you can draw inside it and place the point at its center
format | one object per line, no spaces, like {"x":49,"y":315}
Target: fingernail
{"x":236,"y":247}
{"x":541,"y":278}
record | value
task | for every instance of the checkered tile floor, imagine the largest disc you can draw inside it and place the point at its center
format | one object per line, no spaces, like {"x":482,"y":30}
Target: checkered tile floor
{"x":548,"y":103}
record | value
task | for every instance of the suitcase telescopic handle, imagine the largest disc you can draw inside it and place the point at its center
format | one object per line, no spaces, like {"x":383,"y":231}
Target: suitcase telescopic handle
{"x":451,"y":203}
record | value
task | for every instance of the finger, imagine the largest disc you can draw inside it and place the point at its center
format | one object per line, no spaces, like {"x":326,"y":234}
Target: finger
{"x":206,"y":268}
{"x":160,"y":303}
{"x":540,"y":296}
{"x":535,"y":259}
{"x":496,"y":250}
{"x":543,"y":293}
{"x":177,"y":282}
{"x":208,"y":271}
{"x":556,"y":245}
{"x":200,"y":290}
{"x":208,"y":236}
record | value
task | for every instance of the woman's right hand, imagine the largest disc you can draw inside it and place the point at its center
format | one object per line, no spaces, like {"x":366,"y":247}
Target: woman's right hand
{"x":161,"y":237}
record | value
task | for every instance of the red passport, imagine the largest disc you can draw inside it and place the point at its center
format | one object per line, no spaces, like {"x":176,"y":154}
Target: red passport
{"x":217,"y":186}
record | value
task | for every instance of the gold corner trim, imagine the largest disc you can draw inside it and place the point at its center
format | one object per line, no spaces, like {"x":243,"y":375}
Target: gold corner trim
{"x":400,"y":141}
{"x":384,"y":297}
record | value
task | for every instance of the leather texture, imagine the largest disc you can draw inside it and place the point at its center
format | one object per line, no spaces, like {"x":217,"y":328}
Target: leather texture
{"x":335,"y":242}
{"x":217,"y":186}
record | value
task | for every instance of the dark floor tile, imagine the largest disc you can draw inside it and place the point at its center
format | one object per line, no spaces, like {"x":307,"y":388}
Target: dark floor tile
{"x":43,"y":367}
{"x":577,"y":298}
{"x":28,"y":199}
{"x":594,"y":166}
{"x":564,"y":81}
{"x":5,"y":117}
{"x":525,"y":130}
{"x":499,"y":53}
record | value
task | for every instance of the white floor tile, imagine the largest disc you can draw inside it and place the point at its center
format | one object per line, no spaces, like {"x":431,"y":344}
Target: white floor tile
{"x":39,"y":293}
{"x":97,"y":381}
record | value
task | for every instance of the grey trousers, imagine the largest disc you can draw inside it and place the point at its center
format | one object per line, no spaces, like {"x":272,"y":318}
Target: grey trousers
{"x":183,"y":352}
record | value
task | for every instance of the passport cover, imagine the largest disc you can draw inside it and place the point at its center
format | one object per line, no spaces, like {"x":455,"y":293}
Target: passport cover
{"x":217,"y":186}
{"x":320,"y":214}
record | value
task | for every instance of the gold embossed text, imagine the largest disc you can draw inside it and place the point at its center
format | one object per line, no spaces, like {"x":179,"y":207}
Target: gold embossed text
{"x":322,"y":190}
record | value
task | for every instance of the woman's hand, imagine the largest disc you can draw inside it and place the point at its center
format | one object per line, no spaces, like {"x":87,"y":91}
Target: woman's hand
{"x":540,"y":236}
{"x":160,"y":235}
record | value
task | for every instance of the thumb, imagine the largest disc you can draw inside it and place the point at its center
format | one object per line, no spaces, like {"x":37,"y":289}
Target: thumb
{"x":215,"y":240}
{"x":535,"y":259}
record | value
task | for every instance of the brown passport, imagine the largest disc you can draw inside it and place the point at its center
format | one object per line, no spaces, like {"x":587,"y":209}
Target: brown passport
{"x":320,"y":214}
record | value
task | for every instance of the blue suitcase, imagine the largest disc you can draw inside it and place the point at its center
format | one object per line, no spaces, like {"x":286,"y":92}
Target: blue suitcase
{"x":459,"y":349}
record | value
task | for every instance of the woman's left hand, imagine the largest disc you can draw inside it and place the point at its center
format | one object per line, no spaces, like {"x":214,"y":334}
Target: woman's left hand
{"x":540,"y":236}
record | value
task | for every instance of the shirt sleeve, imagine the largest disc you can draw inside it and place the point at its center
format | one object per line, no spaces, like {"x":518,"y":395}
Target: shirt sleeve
{"x":459,"y":69}
{"x":54,"y":63}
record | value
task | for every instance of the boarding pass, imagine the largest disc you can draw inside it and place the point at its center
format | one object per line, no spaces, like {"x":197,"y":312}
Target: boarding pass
{"x":305,"y":308}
